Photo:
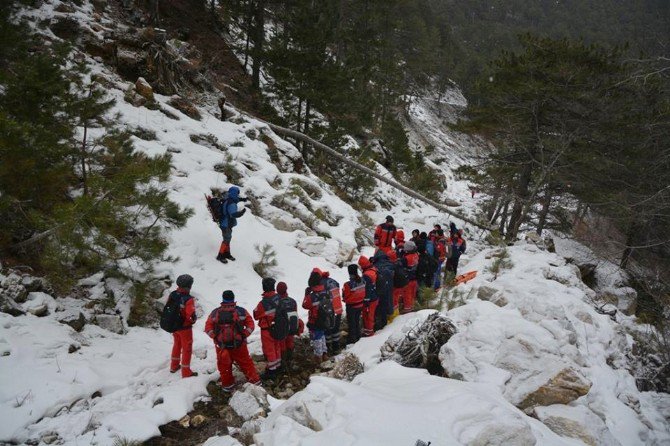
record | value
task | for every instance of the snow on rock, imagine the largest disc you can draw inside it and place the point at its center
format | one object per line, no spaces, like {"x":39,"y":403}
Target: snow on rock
{"x":576,"y":422}
{"x":222,"y":441}
{"x":110,"y":322}
{"x":394,"y":405}
{"x":347,"y":367}
{"x":39,"y":304}
{"x":548,"y":345}
{"x":250,"y":402}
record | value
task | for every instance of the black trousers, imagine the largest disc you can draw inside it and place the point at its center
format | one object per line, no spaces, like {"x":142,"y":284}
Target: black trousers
{"x":354,"y":321}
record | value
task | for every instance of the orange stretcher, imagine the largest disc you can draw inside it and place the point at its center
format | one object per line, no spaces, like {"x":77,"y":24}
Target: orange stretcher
{"x":464,"y":278}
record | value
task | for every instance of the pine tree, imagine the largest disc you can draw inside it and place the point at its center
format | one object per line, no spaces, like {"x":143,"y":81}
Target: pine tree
{"x":71,"y":204}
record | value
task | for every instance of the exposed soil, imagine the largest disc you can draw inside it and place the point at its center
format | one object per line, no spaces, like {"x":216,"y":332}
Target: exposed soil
{"x":293,"y":380}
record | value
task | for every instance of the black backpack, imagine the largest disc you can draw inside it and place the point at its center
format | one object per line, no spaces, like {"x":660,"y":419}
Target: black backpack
{"x":228,"y":330}
{"x":171,"y":315}
{"x":400,"y":276}
{"x":325,"y":316}
{"x":291,"y":307}
{"x":279,"y":329}
{"x":215,"y":206}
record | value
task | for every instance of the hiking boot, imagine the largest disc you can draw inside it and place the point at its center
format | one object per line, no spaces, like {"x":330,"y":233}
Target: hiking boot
{"x":227,"y":389}
{"x":269,"y":375}
{"x":221,"y":258}
{"x":230,"y":257}
{"x":174,"y":370}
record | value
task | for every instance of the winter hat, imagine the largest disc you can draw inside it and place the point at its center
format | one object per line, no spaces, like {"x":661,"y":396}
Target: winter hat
{"x":389,"y":219}
{"x":314,"y":279}
{"x":410,"y":246}
{"x":415,"y":233}
{"x":440,"y":232}
{"x":228,"y":296}
{"x":364,"y":262}
{"x":185,"y":281}
{"x":268,"y":284}
{"x":452,"y":228}
{"x":436,"y":226}
{"x":423,"y":235}
{"x":234,"y":192}
{"x":282,"y":288}
{"x":353,"y":270}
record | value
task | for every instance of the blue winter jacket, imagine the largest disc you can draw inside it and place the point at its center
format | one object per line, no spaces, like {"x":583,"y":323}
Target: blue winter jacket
{"x":229,"y":212}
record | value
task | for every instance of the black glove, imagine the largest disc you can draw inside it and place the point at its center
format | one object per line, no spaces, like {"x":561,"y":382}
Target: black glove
{"x":243,"y":211}
{"x":245,"y":199}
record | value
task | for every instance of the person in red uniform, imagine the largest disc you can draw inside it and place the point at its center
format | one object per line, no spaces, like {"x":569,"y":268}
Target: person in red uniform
{"x":442,"y":250}
{"x":399,"y":284}
{"x":354,"y":295}
{"x":399,"y":243}
{"x":264,"y":313}
{"x":182,"y":339}
{"x":385,"y":234}
{"x":371,"y":299}
{"x":230,"y":326}
{"x":410,"y":261}
{"x":288,"y":345}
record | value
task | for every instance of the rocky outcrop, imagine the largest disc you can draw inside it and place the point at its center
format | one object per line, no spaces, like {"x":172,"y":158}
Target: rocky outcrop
{"x":110,"y":322}
{"x":143,"y":88}
{"x":492,"y":295}
{"x":577,"y":422}
{"x":186,"y":107}
{"x":251,"y":402}
{"x":565,"y":387}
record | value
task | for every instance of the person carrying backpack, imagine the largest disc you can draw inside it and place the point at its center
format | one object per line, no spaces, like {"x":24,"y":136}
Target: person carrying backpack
{"x":371,"y":299}
{"x":321,"y":314}
{"x":182,"y":334}
{"x":354,"y":295}
{"x":384,"y":286}
{"x":443,"y":250}
{"x":229,"y":216}
{"x":457,"y":246}
{"x":296,"y":325}
{"x":400,"y":282}
{"x":229,"y":326}
{"x":425,"y":270}
{"x":410,"y":262}
{"x":333,"y":335}
{"x":385,"y":234}
{"x":265,"y":313}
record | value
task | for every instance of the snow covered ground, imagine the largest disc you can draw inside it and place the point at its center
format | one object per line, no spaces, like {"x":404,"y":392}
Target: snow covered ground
{"x":534,"y":362}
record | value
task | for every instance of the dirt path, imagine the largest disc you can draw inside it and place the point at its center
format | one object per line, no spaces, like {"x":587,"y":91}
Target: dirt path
{"x":216,"y":415}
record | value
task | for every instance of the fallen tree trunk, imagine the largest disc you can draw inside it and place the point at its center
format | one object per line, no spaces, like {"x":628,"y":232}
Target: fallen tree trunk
{"x":334,"y":153}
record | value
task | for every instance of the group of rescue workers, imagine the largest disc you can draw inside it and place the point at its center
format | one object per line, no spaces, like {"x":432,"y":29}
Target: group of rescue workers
{"x":379,"y":288}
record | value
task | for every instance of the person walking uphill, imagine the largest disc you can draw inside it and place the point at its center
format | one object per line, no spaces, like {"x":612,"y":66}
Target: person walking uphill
{"x":229,"y":326}
{"x":385,"y":233}
{"x":229,"y":216}
{"x":182,"y":336}
{"x":410,"y":263}
{"x":371,"y":299}
{"x":457,"y":245}
{"x":264,"y":313}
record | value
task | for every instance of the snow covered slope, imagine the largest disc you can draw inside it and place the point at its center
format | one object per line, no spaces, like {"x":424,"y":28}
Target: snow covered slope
{"x":535,"y":363}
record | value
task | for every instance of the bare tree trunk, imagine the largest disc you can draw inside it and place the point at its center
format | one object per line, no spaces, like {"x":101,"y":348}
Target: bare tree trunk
{"x":259,"y":36}
{"x":544,"y":212}
{"x":630,"y":240}
{"x":84,"y":155}
{"x":306,"y":127}
{"x":250,"y":14}
{"x":503,"y":218}
{"x":517,"y":215}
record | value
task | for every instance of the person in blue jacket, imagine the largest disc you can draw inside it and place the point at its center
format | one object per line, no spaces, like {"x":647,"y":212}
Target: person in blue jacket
{"x":229,"y":216}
